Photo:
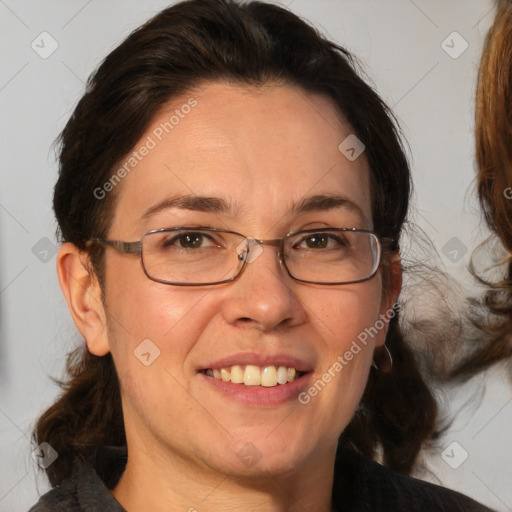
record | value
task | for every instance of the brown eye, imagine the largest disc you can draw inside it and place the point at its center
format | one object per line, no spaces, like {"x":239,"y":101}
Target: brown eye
{"x":189,"y":240}
{"x":321,"y":241}
{"x":317,"y":241}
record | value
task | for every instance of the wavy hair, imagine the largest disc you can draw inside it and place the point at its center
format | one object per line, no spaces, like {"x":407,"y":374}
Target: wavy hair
{"x":492,"y":315}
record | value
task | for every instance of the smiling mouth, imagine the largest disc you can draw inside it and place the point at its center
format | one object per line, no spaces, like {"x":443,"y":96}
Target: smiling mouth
{"x":251,"y":375}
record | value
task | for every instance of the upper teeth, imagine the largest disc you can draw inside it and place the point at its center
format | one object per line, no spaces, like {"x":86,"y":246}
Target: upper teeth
{"x":267,"y":376}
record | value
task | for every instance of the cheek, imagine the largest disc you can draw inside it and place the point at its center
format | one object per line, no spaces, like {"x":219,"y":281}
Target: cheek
{"x":345,"y":314}
{"x":171,"y":318}
{"x":345,"y":319}
{"x":152,"y":331}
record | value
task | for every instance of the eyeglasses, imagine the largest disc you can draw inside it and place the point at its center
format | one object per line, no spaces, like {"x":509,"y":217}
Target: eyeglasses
{"x":207,"y":256}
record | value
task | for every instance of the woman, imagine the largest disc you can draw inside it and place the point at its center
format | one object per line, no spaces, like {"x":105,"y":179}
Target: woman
{"x":230,"y":200}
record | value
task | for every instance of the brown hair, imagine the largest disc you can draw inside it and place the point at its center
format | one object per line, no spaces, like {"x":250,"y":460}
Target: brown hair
{"x":248,"y":44}
{"x":493,"y":132}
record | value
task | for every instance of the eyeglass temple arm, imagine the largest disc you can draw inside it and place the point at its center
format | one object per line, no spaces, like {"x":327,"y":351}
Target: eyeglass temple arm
{"x":124,"y":247}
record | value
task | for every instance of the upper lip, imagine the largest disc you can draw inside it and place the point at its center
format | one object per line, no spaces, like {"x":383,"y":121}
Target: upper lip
{"x":258,"y":359}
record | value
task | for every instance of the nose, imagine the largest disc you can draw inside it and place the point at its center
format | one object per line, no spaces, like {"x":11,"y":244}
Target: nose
{"x":263,"y":297}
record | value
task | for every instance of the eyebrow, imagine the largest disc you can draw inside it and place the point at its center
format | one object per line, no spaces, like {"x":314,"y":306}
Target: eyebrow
{"x":211,"y":204}
{"x":190,"y":202}
{"x":322,"y":202}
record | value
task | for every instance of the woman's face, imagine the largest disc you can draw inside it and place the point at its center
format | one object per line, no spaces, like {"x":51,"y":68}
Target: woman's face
{"x":263,"y":154}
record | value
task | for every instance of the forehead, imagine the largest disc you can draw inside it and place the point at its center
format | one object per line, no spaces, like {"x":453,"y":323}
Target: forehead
{"x":262,"y":150}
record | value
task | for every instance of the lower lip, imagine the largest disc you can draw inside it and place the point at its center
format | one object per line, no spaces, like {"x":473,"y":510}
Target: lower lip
{"x":260,"y":396}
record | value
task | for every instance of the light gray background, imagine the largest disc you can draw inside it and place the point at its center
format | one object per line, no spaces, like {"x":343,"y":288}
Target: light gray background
{"x":399,"y":41}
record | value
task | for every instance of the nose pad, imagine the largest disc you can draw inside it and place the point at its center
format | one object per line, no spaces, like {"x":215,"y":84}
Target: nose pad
{"x":249,"y":250}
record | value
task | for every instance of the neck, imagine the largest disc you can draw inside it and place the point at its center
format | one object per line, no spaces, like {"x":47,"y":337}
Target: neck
{"x":170,"y":482}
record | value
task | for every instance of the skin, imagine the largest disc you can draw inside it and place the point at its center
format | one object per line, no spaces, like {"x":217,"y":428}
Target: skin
{"x":263,"y":150}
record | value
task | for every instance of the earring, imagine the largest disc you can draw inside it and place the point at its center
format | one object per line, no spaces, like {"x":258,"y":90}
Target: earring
{"x":382,"y":360}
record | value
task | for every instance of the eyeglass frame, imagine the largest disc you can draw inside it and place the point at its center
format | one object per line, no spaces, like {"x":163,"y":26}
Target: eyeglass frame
{"x":136,"y":248}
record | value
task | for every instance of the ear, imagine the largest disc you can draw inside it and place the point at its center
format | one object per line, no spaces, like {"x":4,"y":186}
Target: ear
{"x":81,"y":289}
{"x":390,"y":293}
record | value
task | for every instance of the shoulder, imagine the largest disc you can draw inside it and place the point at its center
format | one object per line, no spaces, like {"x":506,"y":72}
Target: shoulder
{"x":61,"y":498}
{"x":378,"y":489}
{"x":413,"y":494}
{"x":87,"y":489}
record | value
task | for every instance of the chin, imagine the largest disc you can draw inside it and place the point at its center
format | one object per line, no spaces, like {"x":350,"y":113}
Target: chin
{"x":261,"y":456}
